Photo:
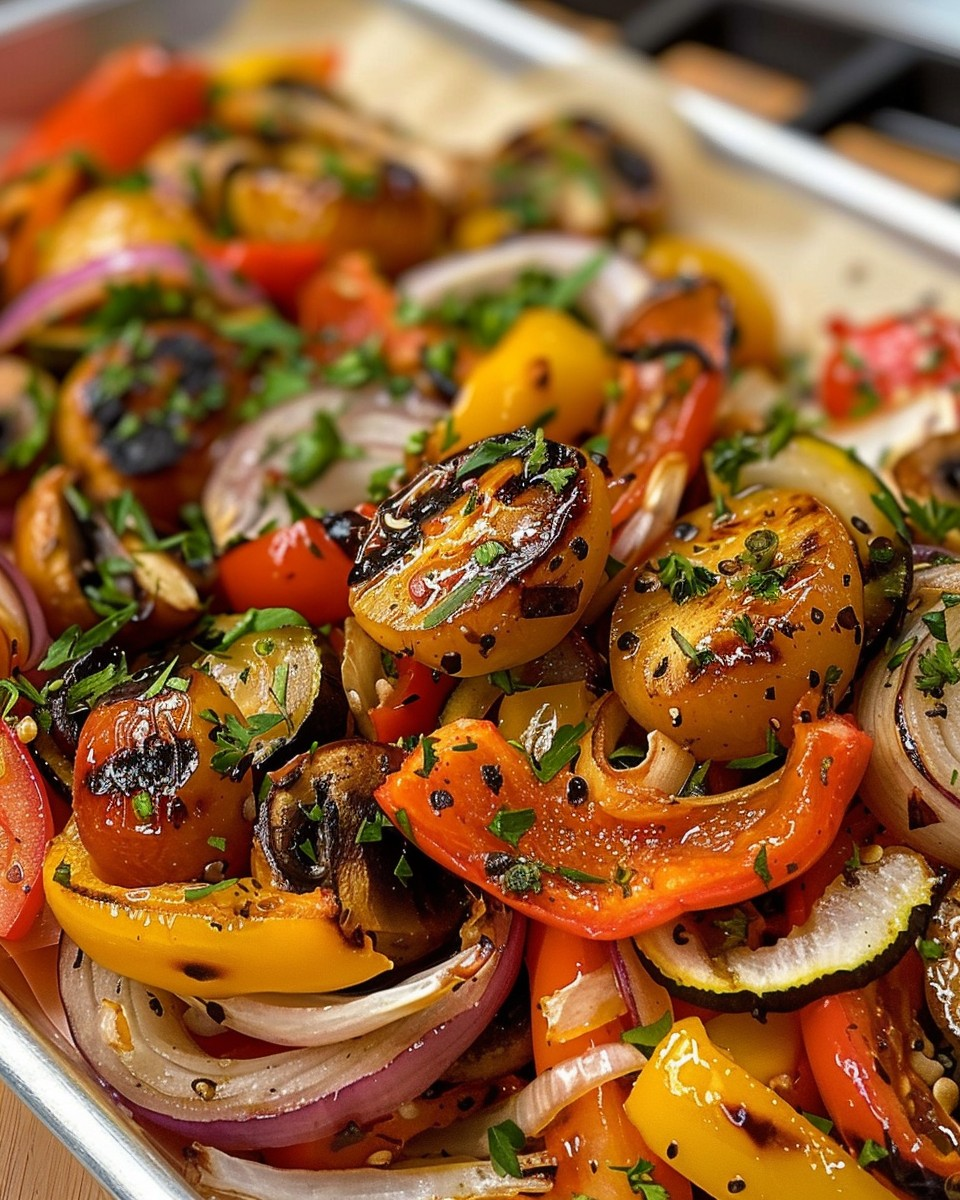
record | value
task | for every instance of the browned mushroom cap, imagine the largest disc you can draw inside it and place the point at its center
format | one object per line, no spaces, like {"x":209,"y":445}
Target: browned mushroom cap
{"x":931,"y":472}
{"x":346,"y":201}
{"x":71,"y":555}
{"x":27,"y":397}
{"x":197,"y":165}
{"x":290,"y":111}
{"x":143,"y":412}
{"x":943,"y":972}
{"x":577,"y":174}
{"x":321,"y":827}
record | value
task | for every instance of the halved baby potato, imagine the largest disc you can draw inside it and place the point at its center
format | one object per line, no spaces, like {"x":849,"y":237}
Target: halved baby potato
{"x":733,"y":621}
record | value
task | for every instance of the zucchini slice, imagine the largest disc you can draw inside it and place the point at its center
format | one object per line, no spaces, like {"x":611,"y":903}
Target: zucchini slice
{"x":866,"y":506}
{"x":862,"y":924}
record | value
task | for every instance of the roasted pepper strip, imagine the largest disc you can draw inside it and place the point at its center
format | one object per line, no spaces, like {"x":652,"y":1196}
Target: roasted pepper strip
{"x":126,"y":104}
{"x":227,"y":940}
{"x":732,"y":1135}
{"x":569,"y":863}
{"x":860,"y":1046}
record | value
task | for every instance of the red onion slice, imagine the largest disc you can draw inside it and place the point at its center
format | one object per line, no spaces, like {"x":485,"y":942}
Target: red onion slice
{"x":241,"y":495}
{"x":223,"y":1175}
{"x":326,"y":1020}
{"x":137,"y":1043}
{"x":19,"y":599}
{"x":60,"y":296}
{"x":646,"y":1000}
{"x":619,"y":286}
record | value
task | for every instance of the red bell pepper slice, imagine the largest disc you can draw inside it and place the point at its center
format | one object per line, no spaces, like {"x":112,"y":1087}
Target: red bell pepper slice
{"x":26,"y":825}
{"x":859,"y":1046}
{"x":574,"y":866}
{"x":414,"y":705}
{"x":279,"y":269}
{"x":876,"y":366}
{"x":127,"y":103}
{"x":680,"y":338}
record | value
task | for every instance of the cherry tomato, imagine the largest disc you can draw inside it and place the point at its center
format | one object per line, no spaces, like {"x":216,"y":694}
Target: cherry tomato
{"x":299,"y":567}
{"x":349,"y":303}
{"x":26,"y":825}
{"x":151,"y":807}
{"x":882,"y":365}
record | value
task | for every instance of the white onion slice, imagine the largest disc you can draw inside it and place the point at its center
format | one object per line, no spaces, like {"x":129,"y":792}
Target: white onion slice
{"x":533,"y":1108}
{"x":238,"y":499}
{"x":222,"y":1175}
{"x":137,"y":1042}
{"x":589,"y":1001}
{"x":619,"y":286}
{"x":911,"y":780}
{"x":325,"y":1020}
{"x":884,"y":437}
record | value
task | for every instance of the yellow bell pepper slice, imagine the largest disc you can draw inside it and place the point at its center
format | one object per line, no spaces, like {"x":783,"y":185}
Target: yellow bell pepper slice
{"x":548,"y":370}
{"x":265,"y":66}
{"x":730,"y":1134}
{"x":202,"y":941}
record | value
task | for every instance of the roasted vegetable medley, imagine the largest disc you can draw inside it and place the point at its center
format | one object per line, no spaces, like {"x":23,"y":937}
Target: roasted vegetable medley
{"x":473,"y":725}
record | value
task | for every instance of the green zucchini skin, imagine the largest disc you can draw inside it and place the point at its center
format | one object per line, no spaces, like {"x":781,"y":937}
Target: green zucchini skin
{"x":887,"y":938}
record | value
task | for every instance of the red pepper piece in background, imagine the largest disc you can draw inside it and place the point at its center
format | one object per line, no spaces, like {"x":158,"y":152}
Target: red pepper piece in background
{"x":877,"y":366}
{"x":279,"y":269}
{"x":128,"y":102}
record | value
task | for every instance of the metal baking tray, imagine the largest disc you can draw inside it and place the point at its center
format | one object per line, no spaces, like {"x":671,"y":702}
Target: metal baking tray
{"x":47,"y":44}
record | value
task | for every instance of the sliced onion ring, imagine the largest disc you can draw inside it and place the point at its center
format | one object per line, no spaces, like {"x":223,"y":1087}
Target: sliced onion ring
{"x":611,"y":295}
{"x":326,"y":1020}
{"x":910,"y":783}
{"x":240,"y":496}
{"x":19,"y":600}
{"x":137,"y":1043}
{"x":222,"y":1175}
{"x":52,"y":299}
{"x":646,"y":1000}
{"x":533,"y":1108}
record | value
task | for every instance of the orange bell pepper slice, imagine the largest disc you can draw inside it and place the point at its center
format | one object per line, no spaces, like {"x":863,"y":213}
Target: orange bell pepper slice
{"x":475,"y":804}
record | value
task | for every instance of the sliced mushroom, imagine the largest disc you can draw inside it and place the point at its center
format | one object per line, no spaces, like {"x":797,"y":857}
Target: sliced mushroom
{"x":320,"y":826}
{"x":70,"y":554}
{"x":301,"y":111}
{"x":931,"y":472}
{"x":574,"y":173}
{"x":380,"y":208}
{"x":197,"y":166}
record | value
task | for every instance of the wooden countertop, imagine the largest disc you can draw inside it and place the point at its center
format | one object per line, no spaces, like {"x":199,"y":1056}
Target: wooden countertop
{"x":33,"y":1164}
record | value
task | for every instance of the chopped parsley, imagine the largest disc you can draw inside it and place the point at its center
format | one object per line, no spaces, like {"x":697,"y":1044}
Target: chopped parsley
{"x":234,"y":736}
{"x":511,"y":824}
{"x":504,"y":1140}
{"x":761,"y":869}
{"x":641,"y":1181}
{"x":565,"y":744}
{"x":872,"y":1152}
{"x":937,"y":669}
{"x":935,"y":519}
{"x":683,"y":578}
{"x":648,"y":1036}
